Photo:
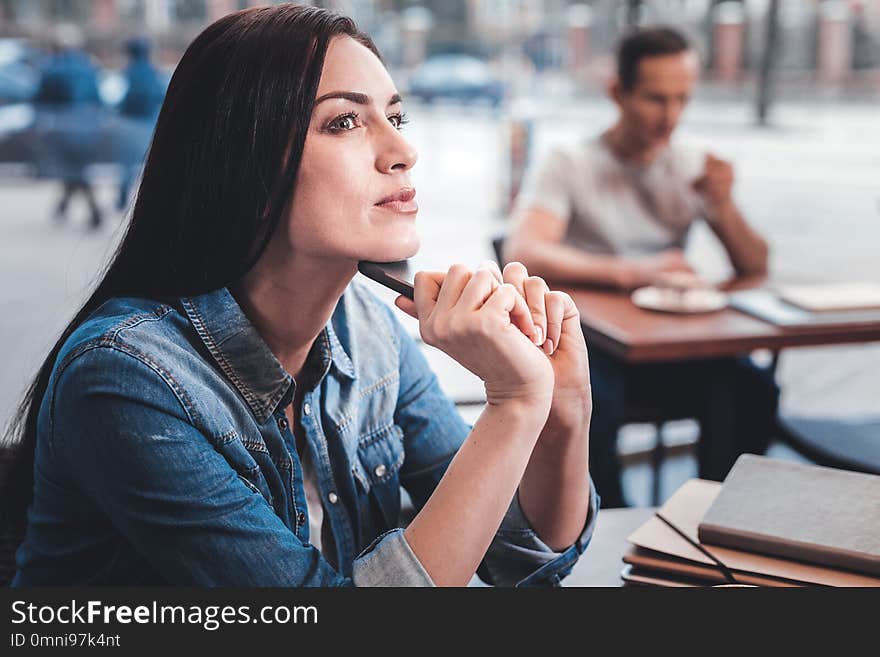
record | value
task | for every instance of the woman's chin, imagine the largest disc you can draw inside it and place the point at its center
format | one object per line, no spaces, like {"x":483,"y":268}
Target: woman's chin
{"x":394,"y":251}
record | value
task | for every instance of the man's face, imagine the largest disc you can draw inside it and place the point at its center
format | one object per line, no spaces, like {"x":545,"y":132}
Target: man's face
{"x":651,"y":109}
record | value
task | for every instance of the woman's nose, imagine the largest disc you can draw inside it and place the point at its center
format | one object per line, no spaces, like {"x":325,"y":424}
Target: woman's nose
{"x":395,"y":153}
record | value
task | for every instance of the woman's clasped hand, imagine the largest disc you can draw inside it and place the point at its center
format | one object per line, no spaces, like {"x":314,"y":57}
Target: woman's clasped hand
{"x":521,"y":338}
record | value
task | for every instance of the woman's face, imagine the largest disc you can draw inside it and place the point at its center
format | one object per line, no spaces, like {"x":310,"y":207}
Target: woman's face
{"x":353,"y":196}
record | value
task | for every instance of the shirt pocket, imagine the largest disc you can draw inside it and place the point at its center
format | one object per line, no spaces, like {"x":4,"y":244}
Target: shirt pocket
{"x":380,"y":456}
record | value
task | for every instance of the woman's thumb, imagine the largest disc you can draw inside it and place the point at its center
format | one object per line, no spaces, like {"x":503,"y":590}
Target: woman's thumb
{"x":407,"y":305}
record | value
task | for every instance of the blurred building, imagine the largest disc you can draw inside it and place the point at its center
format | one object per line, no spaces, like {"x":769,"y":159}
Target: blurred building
{"x":832,"y":41}
{"x":172,"y":24}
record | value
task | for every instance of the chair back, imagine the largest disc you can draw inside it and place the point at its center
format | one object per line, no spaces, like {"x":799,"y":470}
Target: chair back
{"x":498,"y":248}
{"x":10,"y":537}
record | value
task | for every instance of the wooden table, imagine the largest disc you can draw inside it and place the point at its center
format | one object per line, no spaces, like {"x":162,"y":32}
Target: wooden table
{"x":601,"y":562}
{"x":613,"y":323}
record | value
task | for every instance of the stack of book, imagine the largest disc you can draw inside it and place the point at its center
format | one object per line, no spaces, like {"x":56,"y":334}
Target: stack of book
{"x":772,"y":523}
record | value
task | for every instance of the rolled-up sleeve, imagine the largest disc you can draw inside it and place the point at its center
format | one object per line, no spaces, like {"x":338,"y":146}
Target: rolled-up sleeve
{"x":389,"y":561}
{"x":518,"y":556}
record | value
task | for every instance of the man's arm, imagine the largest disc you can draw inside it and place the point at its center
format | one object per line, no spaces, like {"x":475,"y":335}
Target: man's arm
{"x":747,"y":250}
{"x":537,"y":242}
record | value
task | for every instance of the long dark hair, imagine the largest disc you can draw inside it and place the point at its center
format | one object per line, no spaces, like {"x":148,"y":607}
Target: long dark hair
{"x":219,"y":175}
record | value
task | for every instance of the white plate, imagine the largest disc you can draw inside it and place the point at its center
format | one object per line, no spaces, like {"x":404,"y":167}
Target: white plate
{"x":671,"y":300}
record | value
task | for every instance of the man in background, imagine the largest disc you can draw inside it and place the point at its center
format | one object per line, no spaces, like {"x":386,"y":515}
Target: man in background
{"x":614,"y":210}
{"x":140,"y":108}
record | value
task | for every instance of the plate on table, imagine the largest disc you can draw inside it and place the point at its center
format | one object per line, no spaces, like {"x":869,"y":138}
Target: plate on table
{"x":686,"y":301}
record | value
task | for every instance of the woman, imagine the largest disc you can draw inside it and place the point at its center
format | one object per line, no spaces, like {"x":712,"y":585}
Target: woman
{"x":229,"y":409}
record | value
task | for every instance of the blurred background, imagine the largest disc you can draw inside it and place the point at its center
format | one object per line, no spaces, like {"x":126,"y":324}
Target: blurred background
{"x":789,"y":94}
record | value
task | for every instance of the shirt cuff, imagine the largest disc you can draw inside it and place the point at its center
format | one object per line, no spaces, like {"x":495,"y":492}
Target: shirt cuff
{"x":389,"y":561}
{"x":518,"y":556}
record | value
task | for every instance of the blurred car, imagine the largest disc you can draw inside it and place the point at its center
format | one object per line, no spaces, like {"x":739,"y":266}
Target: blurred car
{"x":456,"y":77}
{"x":19,"y":70}
{"x":112,"y":85}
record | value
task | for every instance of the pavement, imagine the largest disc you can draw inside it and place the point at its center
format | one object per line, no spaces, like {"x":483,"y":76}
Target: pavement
{"x":810,"y":184}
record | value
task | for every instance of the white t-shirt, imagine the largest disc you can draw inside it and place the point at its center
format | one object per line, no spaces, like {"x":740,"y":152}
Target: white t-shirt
{"x":615,"y":208}
{"x":314,"y":508}
{"x":320,"y":532}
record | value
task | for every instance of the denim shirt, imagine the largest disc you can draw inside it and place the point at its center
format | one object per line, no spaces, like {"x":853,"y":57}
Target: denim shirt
{"x":164,"y":455}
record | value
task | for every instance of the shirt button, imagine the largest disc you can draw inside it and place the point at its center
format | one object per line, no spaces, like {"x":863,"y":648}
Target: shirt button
{"x":301,"y":518}
{"x":332,"y":497}
{"x":307,"y":409}
{"x":380,"y":470}
{"x":282,"y":423}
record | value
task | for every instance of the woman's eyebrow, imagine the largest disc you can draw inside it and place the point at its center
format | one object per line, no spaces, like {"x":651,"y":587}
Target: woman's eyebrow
{"x":355,"y":97}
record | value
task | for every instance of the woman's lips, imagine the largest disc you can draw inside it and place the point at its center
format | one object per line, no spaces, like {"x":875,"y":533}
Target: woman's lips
{"x":401,"y":202}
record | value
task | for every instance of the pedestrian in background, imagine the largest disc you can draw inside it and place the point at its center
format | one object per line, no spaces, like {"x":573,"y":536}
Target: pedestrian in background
{"x":67,"y":133}
{"x":139,"y":107}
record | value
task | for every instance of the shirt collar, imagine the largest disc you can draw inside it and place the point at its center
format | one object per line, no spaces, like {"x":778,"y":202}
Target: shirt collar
{"x":338,"y":355}
{"x":245,"y":358}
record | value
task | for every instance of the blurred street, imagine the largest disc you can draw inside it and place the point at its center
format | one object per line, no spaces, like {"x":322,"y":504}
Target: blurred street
{"x":810,"y":183}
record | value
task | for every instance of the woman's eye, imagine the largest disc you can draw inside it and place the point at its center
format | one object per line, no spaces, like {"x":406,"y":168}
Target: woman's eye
{"x":398,"y":120}
{"x":343,"y":123}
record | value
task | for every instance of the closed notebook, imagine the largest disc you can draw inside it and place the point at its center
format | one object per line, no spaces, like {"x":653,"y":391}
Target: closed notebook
{"x":769,"y":307}
{"x":808,"y":513}
{"x":686,"y":508}
{"x":677,"y":569}
{"x":831,"y":296}
{"x":646,"y":577}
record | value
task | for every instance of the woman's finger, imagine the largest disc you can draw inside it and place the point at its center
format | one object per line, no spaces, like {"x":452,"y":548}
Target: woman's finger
{"x":535,"y":291}
{"x":507,"y":299}
{"x":427,"y":285}
{"x":407,"y":305}
{"x":480,"y":286}
{"x":453,"y":285}
{"x":555,"y":305}
{"x":570,"y":322}
{"x":492,"y":266}
{"x":516,"y":273}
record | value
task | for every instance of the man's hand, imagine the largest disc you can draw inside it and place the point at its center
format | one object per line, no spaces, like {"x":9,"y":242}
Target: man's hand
{"x":655,"y":269}
{"x":748,"y":251}
{"x":715,"y":185}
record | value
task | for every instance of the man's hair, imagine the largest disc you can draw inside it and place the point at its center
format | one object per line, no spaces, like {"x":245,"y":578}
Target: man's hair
{"x":642,"y":43}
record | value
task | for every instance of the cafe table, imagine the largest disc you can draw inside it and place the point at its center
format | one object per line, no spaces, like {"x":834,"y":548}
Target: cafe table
{"x":611,"y":322}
